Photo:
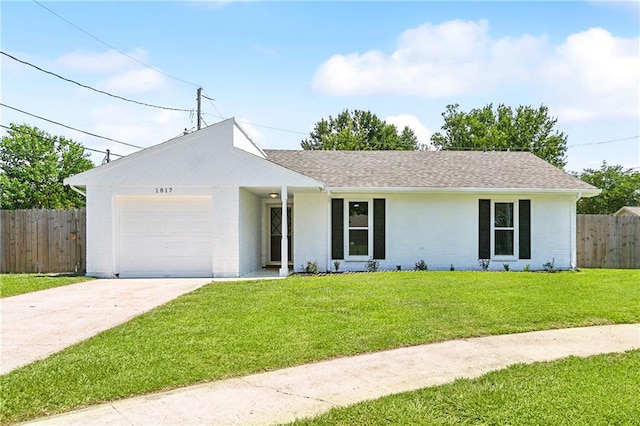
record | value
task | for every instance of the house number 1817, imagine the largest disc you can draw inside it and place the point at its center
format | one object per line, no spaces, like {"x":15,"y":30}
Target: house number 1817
{"x":164,"y":190}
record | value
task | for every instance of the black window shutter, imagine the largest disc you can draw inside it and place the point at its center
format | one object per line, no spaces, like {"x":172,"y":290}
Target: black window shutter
{"x":524,"y":229}
{"x":378,"y":228}
{"x":484,"y":229}
{"x":337,"y":228}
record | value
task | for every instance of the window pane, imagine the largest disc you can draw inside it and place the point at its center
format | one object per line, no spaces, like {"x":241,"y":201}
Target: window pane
{"x":276,"y":221}
{"x":358,"y":214}
{"x":504,"y":243}
{"x":504,"y":215}
{"x":358,"y":242}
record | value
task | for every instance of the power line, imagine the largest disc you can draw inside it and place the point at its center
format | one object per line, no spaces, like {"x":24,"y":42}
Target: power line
{"x":113,"y":47}
{"x":126,"y":54}
{"x":103,"y":152}
{"x":272,"y":128}
{"x":261,"y":125}
{"x":72,"y":128}
{"x":212,"y":103}
{"x":44,"y":138}
{"x":91,"y":88}
{"x":219,"y":115}
{"x":603,"y":142}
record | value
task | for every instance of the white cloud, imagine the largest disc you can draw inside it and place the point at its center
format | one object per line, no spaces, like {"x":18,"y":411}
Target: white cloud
{"x":422,"y":132}
{"x":594,"y":75}
{"x":135,"y":81}
{"x":133,"y":127}
{"x":591,"y":75}
{"x":105,"y":62}
{"x":625,"y":6}
{"x":451,"y":59}
{"x":96,"y":113}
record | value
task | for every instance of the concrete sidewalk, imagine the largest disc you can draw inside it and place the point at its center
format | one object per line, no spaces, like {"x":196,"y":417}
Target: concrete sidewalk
{"x":284,"y":395}
{"x":36,"y":325}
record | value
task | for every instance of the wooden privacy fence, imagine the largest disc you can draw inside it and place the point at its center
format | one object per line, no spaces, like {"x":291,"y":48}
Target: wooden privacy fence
{"x":42,"y":241}
{"x":605,"y":241}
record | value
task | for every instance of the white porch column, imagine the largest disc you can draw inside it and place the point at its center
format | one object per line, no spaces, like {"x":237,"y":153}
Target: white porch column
{"x":284,"y":248}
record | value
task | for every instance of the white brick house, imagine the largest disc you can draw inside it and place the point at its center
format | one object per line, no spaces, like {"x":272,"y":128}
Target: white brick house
{"x":211,"y":203}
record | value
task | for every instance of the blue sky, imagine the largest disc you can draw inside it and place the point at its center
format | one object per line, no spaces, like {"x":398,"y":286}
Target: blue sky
{"x":286,"y":65}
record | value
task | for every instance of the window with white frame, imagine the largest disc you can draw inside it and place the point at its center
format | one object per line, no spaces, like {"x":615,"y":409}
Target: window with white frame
{"x":358,"y":228}
{"x":503,"y":229}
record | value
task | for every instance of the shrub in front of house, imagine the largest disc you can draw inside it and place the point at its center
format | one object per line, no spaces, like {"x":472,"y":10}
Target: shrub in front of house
{"x":312,"y":267}
{"x":372,"y":265}
{"x":421,"y":265}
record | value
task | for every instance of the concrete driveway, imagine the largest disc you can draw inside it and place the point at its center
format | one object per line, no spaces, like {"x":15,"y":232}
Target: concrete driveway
{"x":36,"y":325}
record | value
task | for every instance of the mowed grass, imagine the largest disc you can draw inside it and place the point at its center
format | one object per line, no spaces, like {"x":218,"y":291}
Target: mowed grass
{"x":15,"y":284}
{"x":236,"y":328}
{"x":599,"y":390}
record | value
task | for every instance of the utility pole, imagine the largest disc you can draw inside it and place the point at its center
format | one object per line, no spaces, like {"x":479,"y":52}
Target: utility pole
{"x":199,"y":98}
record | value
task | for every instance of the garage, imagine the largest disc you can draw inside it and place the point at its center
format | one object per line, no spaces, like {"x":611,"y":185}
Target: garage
{"x":192,"y":206}
{"x":164,"y":236}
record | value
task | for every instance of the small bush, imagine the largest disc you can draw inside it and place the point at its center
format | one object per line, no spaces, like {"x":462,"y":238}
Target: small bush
{"x":506,"y":267}
{"x":372,"y":265}
{"x":421,"y":266}
{"x":312,"y":267}
{"x":336,"y":265}
{"x":549,"y":266}
{"x":452,"y":268}
{"x":484,"y":264}
{"x":398,"y":267}
{"x":527,"y":268}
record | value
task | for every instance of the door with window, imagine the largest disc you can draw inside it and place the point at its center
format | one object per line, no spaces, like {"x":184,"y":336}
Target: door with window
{"x":275,"y":235}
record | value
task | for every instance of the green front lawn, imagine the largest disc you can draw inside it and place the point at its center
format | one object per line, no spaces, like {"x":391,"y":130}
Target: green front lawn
{"x":14,"y":284}
{"x":236,"y":328}
{"x":599,"y":390}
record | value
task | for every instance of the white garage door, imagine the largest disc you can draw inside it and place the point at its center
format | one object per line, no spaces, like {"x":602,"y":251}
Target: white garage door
{"x":165,"y":236}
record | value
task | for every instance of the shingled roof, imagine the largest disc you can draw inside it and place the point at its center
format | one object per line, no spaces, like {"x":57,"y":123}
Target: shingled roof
{"x":428,"y":169}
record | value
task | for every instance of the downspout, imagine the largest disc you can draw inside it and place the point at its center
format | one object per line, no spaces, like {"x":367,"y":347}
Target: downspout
{"x":574,"y":237}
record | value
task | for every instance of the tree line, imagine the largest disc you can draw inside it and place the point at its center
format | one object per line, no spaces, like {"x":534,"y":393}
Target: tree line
{"x":33,"y":163}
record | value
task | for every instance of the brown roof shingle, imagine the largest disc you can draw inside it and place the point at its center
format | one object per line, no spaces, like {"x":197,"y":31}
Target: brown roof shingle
{"x":427,"y":169}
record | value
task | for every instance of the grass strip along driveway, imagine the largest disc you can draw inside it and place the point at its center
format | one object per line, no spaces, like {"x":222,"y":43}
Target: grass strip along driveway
{"x":236,"y":328}
{"x":15,"y":284}
{"x":598,"y":390}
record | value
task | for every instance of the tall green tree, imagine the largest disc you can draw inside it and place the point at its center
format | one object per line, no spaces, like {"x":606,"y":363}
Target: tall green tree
{"x":502,"y":128}
{"x":33,"y":165}
{"x":620,"y":188}
{"x":359,"y":131}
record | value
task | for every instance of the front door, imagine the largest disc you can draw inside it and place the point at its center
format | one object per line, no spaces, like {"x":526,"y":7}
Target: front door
{"x":275,"y":234}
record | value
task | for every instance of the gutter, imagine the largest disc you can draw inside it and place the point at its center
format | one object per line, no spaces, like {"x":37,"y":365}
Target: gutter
{"x":469,"y":190}
{"x":84,"y":194}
